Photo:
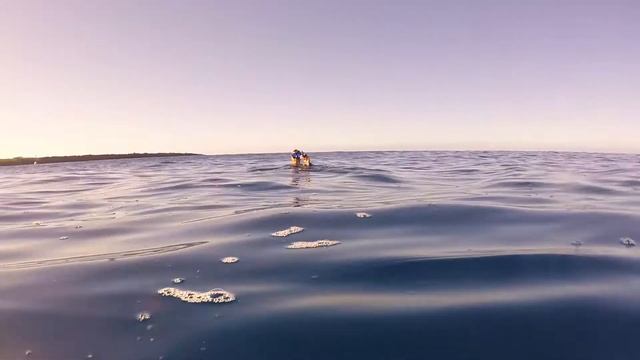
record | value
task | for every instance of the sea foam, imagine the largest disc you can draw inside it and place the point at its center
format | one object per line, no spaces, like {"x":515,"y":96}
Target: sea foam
{"x":143,"y":316}
{"x":217,"y":296}
{"x":230,"y":260}
{"x":286,"y":232}
{"x":312,"y":244}
{"x":628,"y":242}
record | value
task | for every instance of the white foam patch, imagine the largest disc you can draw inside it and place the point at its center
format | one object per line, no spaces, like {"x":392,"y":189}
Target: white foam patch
{"x":230,"y":260}
{"x":363,"y":215}
{"x":63,"y":237}
{"x":143,"y":316}
{"x":312,"y":244}
{"x":177,"y":280}
{"x":628,"y":242}
{"x":217,"y":296}
{"x":287,"y":232}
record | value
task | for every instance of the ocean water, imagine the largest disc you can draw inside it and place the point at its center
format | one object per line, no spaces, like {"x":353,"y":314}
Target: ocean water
{"x":466,"y":255}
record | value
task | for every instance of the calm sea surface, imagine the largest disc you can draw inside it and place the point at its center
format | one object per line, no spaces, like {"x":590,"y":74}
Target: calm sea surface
{"x":466,"y":255}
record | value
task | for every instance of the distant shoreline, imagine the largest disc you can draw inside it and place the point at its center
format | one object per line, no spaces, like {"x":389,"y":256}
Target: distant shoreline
{"x":76,"y":158}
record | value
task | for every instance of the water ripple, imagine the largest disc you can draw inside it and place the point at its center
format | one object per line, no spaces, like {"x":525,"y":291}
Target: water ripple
{"x":466,"y":255}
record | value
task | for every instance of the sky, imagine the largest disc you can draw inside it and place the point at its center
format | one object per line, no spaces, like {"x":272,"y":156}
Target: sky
{"x":241,"y":76}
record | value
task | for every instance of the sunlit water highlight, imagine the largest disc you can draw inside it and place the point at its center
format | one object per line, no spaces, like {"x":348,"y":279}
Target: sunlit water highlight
{"x":442,"y":255}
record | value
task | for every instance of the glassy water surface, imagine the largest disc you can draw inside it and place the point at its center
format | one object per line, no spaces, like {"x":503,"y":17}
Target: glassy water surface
{"x":466,"y":255}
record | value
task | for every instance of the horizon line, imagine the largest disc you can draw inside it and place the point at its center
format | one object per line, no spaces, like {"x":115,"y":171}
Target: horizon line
{"x":189,"y":153}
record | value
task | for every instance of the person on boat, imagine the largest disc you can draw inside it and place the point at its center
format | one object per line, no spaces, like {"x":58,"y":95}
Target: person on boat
{"x":300,"y":158}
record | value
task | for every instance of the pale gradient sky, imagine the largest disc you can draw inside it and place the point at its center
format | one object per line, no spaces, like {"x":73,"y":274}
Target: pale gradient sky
{"x":89,"y":76}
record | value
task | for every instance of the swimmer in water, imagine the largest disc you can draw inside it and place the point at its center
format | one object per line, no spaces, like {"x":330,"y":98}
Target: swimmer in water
{"x":306,"y":160}
{"x":300,"y":158}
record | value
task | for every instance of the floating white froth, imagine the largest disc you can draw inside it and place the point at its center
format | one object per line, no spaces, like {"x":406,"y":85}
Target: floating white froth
{"x":230,"y":260}
{"x":363,"y":215}
{"x":63,"y":237}
{"x":217,"y":296}
{"x":628,"y":242}
{"x":177,"y":280}
{"x":143,"y":316}
{"x":287,"y":232}
{"x":312,"y":244}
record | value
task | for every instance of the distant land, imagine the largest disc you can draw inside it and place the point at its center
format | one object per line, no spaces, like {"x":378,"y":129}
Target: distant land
{"x":73,"y":158}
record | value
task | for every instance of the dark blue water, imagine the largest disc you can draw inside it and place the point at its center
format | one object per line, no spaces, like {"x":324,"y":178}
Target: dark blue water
{"x":467,"y":255}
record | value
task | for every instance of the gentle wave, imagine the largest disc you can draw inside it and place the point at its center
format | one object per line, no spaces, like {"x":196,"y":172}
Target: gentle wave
{"x":488,"y":255}
{"x":96,"y":257}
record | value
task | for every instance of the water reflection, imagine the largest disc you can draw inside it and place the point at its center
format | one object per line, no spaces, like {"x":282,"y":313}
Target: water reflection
{"x":300,"y":179}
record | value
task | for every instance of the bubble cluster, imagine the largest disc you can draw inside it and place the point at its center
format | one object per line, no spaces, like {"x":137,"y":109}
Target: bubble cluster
{"x":230,"y":260}
{"x":177,"y":280}
{"x":628,"y":242}
{"x":363,"y":215}
{"x":217,"y":296}
{"x":287,"y":232}
{"x":143,"y":316}
{"x":312,"y":244}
